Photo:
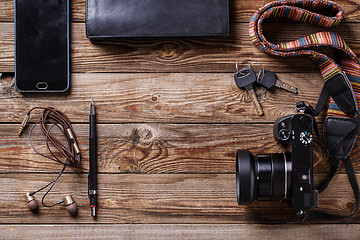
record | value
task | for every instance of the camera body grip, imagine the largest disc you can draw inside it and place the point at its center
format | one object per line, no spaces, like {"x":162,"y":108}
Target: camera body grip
{"x":297,"y":131}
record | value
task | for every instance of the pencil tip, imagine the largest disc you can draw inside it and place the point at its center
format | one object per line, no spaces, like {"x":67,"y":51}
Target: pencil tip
{"x":92,"y":107}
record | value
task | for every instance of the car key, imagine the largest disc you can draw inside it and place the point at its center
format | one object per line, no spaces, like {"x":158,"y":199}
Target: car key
{"x":244,"y":79}
{"x":268,"y":79}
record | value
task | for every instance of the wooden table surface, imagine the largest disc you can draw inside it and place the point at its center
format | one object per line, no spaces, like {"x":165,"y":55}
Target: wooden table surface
{"x":170,"y":121}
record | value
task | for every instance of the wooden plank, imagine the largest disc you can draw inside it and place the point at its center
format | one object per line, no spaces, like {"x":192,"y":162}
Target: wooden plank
{"x":167,"y":97}
{"x":7,"y":11}
{"x":180,"y":55}
{"x":155,"y":148}
{"x":151,"y":148}
{"x":241,"y":11}
{"x":159,"y":198}
{"x":181,"y":231}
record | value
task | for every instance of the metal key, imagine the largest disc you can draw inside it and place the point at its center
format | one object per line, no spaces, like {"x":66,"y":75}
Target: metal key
{"x":268,"y":79}
{"x":245,"y":78}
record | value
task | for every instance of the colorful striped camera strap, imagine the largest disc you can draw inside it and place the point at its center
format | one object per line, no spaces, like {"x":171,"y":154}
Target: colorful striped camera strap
{"x":341,"y":74}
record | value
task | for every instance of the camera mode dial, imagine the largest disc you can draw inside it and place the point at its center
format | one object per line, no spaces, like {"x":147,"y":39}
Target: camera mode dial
{"x":305,"y":137}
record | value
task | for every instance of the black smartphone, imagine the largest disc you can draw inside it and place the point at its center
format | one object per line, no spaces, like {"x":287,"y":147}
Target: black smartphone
{"x":42,"y":45}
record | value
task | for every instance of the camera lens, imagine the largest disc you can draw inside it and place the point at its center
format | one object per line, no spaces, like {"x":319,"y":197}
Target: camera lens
{"x":264,"y":177}
{"x":245,"y":177}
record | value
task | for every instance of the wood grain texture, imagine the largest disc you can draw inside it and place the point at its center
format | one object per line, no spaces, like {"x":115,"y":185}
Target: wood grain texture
{"x":155,"y":148}
{"x":170,"y":120}
{"x":182,"y":231}
{"x":240,"y":11}
{"x":181,"y":55}
{"x":159,"y":198}
{"x":166,"y":97}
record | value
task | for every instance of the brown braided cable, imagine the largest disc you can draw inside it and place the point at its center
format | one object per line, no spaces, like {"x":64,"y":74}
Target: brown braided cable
{"x":54,"y":116}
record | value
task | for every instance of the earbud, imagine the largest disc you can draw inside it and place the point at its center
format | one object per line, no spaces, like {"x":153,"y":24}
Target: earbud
{"x":68,"y":200}
{"x":31,"y":202}
{"x":70,"y":205}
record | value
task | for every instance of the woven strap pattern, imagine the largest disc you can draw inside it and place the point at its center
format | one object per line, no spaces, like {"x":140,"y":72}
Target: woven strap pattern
{"x":308,"y":11}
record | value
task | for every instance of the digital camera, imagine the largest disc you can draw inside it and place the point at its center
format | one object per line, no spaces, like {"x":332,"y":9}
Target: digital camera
{"x":281,"y":176}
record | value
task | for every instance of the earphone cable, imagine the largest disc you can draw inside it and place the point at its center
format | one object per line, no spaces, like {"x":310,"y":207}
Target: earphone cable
{"x":69,"y":151}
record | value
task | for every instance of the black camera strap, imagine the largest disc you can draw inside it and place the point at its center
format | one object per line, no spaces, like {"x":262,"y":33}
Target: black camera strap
{"x":354,"y":185}
{"x":338,"y":148}
{"x":341,"y":75}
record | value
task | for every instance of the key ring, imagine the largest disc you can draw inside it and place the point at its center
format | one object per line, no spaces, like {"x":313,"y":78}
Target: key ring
{"x":243,"y":60}
{"x":262,"y":67}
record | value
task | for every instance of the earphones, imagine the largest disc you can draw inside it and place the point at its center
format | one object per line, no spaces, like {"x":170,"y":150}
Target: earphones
{"x":33,"y":204}
{"x":70,"y":151}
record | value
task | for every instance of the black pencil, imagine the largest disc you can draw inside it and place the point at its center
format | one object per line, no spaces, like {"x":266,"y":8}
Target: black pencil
{"x":92,"y":183}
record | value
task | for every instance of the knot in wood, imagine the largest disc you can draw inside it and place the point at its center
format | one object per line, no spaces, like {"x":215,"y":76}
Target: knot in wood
{"x":350,"y":205}
{"x":155,"y":98}
{"x":142,"y":134}
{"x":168,"y":50}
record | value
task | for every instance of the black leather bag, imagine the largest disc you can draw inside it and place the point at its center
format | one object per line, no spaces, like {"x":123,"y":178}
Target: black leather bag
{"x":106,"y":19}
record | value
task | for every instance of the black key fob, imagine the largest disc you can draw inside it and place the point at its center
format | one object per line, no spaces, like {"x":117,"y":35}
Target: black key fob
{"x":245,"y":77}
{"x":266,"y":78}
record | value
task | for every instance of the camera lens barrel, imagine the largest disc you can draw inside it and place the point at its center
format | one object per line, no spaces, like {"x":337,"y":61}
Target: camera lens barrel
{"x":264,"y":177}
{"x":245,"y":177}
{"x":273,"y":176}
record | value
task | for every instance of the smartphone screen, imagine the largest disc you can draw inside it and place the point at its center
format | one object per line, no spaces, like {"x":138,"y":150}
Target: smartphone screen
{"x":41,"y":45}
